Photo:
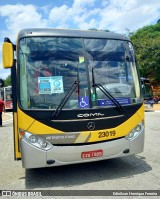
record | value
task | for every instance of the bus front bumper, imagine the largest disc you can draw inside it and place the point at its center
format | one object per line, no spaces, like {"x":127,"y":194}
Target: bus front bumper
{"x":33,"y":157}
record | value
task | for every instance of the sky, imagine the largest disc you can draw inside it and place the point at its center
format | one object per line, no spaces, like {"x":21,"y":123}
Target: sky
{"x":119,"y":16}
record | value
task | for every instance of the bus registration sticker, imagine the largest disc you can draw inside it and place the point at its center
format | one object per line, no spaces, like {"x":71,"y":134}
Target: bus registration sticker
{"x":92,"y":154}
{"x":50,"y":85}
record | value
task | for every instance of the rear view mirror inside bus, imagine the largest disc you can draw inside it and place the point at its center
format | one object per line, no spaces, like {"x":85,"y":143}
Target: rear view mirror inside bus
{"x":7,"y":55}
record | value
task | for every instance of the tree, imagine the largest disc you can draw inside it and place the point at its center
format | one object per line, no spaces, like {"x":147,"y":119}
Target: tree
{"x":7,"y":81}
{"x":147,"y":44}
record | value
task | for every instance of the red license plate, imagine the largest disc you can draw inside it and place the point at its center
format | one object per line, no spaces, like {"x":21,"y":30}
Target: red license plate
{"x":92,"y":154}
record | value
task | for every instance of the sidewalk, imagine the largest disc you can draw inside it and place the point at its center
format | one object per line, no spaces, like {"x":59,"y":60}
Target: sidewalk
{"x":7,"y":116}
{"x":156,"y":107}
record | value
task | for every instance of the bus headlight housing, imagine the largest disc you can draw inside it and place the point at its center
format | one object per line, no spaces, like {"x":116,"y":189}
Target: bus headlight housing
{"x":33,"y":138}
{"x":36,"y":140}
{"x":136,"y":131}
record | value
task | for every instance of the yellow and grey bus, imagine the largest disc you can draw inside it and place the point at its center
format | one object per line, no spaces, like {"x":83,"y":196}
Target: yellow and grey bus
{"x":77,"y":96}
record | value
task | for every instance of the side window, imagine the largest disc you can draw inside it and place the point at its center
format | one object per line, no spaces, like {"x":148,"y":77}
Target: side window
{"x":23,"y":81}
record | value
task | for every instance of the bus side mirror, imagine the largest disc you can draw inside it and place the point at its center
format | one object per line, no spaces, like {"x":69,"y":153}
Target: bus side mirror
{"x":7,"y":55}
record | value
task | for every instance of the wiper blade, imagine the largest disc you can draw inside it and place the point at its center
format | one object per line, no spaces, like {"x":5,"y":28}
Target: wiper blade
{"x":94,"y":95}
{"x":107,"y":93}
{"x":66,"y":97}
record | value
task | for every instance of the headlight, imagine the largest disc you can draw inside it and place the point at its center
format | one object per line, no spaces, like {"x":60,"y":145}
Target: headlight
{"x":36,"y":140}
{"x":136,"y":131}
{"x":33,"y":139}
{"x":43,"y":144}
{"x":138,"y":128}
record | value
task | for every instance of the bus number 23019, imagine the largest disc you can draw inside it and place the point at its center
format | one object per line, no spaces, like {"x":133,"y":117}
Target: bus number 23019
{"x":103,"y":134}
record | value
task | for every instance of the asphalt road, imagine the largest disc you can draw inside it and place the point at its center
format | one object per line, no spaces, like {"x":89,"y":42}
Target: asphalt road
{"x":136,"y":172}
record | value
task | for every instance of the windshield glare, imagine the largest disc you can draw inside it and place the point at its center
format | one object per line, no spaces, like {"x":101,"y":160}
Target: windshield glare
{"x":50,"y":65}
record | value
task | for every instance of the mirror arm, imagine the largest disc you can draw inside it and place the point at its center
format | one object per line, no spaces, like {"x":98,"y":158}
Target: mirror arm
{"x":14,"y":47}
{"x":6,"y":39}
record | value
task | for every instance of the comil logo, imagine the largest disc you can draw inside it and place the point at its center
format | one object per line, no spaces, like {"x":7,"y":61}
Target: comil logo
{"x":85,"y":115}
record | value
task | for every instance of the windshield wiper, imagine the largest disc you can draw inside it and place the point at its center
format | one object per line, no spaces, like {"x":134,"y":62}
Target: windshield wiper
{"x":74,"y":87}
{"x":94,"y":95}
{"x":106,"y":92}
{"x":65,"y":99}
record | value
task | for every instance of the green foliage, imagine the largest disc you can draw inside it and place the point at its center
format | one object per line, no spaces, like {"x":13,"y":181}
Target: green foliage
{"x":7,"y":81}
{"x":147,"y":44}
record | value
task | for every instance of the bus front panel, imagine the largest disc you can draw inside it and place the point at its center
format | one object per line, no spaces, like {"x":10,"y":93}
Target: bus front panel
{"x":79,"y":100}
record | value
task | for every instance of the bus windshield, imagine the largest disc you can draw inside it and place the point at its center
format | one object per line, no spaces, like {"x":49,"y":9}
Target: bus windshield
{"x":50,"y":65}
